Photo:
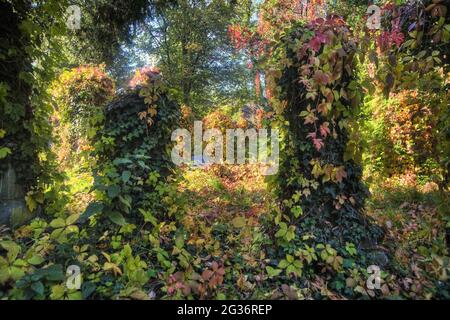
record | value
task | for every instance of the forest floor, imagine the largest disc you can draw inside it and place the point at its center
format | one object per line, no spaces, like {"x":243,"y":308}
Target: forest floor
{"x":226,"y":206}
{"x":227,"y":241}
{"x":224,"y":203}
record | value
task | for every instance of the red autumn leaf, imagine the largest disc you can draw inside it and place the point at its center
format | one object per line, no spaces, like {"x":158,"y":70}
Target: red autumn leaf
{"x":330,"y":97}
{"x":170,"y":290}
{"x":186,"y":290}
{"x":321,"y":77}
{"x":397,"y":37}
{"x":322,"y":108}
{"x":207,"y":274}
{"x":324,"y":129}
{"x":220,"y":271}
{"x":213,"y":282}
{"x":316,"y":42}
{"x":340,"y":174}
{"x":318,"y":143}
{"x":311,"y":118}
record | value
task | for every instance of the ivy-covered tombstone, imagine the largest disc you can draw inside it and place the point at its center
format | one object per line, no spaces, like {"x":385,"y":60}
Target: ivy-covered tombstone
{"x":133,"y":150}
{"x":317,"y":99}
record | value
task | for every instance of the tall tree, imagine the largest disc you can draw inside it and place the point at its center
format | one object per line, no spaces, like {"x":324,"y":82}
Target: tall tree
{"x":106,"y":26}
{"x":195,"y":55}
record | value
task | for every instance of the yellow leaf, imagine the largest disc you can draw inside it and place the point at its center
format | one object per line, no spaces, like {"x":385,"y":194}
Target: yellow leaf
{"x":152,"y":111}
{"x":31,"y":204}
{"x":108,"y":266}
{"x":142,"y":115}
{"x":107,"y":256}
{"x":238,"y":222}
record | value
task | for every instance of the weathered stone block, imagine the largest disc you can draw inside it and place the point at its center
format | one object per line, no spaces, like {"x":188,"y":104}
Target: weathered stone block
{"x":13,"y":209}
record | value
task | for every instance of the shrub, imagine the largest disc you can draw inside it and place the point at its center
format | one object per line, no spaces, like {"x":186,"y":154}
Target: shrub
{"x":218,"y":119}
{"x":81,"y":95}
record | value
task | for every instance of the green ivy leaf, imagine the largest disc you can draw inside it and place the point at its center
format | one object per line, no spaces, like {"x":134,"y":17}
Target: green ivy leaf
{"x":148,"y":217}
{"x":58,"y":223}
{"x":35,"y":260}
{"x":117,"y":218}
{"x":113,"y":191}
{"x":283,"y":264}
{"x":54,"y":273}
{"x":296,"y":211}
{"x":272,"y":272}
{"x":282,"y":231}
{"x":76,"y":295}
{"x":93,"y":208}
{"x":87,"y":288}
{"x":126,"y":176}
{"x":72,"y":219}
{"x":12,"y":248}
{"x":57,"y":292}
{"x":4,"y":152}
{"x":38,"y":287}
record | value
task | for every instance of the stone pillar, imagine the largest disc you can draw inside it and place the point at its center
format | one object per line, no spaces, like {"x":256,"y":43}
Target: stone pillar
{"x":13,"y":209}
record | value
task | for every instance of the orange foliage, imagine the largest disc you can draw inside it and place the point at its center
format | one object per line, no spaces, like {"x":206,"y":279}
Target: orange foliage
{"x":411,"y":126}
{"x":143,"y":75}
{"x":218,"y":119}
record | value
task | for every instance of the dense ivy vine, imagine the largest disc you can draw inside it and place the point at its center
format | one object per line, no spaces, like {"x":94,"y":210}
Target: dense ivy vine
{"x":80,"y":96}
{"x":133,"y":151}
{"x":29,"y":56}
{"x":320,"y":180}
{"x":15,"y":93}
